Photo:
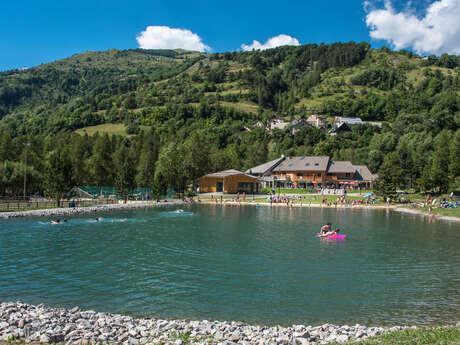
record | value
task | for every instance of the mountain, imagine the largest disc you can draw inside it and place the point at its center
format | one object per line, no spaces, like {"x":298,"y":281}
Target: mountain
{"x":214,"y":101}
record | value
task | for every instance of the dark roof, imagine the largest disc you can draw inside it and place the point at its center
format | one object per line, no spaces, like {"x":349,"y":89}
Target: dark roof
{"x":304,"y":163}
{"x":340,"y":167}
{"x":263,"y":168}
{"x":363,"y":173}
{"x":227,"y":173}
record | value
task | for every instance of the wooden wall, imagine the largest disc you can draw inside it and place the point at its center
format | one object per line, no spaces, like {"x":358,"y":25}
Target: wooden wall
{"x":209,"y":184}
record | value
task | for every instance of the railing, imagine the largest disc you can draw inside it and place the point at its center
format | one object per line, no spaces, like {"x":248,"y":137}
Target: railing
{"x":11,"y":205}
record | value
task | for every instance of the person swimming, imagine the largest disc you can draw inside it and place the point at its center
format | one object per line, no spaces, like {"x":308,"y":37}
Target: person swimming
{"x":326,"y":228}
{"x":180,"y":211}
{"x":57,"y":221}
{"x":329,"y":233}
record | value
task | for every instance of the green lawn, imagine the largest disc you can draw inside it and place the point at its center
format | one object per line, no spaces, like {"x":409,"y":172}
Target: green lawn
{"x":109,"y":128}
{"x":432,"y":336}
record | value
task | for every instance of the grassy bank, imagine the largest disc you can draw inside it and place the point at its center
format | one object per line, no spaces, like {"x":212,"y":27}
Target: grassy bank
{"x":432,"y":336}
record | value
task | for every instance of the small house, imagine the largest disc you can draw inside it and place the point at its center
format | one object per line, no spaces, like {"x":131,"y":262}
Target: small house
{"x":229,"y":182}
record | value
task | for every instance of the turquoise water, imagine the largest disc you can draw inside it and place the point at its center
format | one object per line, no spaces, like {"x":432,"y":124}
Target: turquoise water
{"x":261,"y":265}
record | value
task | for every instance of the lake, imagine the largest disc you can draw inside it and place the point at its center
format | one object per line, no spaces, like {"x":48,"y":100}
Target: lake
{"x":259,"y":265}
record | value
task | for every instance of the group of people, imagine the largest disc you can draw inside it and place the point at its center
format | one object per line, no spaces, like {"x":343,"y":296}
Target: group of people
{"x":58,"y":221}
{"x":326,"y":230}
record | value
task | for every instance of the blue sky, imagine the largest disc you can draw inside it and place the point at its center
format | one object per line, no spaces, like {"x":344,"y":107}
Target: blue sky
{"x":35,"y":32}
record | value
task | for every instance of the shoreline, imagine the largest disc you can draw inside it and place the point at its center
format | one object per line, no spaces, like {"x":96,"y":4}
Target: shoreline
{"x":149,"y":204}
{"x":32,"y":323}
{"x":67,"y":211}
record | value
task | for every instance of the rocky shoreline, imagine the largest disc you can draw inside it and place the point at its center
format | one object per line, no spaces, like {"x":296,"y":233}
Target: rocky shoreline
{"x":39,"y":323}
{"x":63,"y":212}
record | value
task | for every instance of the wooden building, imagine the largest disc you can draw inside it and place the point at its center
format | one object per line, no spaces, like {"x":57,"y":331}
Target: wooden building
{"x":229,"y":182}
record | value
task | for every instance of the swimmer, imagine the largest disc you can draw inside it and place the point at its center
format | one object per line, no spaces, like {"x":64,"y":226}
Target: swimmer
{"x":96,"y":219}
{"x":57,"y":221}
{"x":326,"y":228}
{"x":180,"y":211}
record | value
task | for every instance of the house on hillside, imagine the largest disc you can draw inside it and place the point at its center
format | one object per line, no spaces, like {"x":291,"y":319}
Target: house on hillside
{"x":277,"y":123}
{"x":296,"y":125}
{"x":317,"y":121}
{"x":264,"y":172}
{"x":348,"y":120}
{"x":339,"y":129}
{"x":229,"y":182}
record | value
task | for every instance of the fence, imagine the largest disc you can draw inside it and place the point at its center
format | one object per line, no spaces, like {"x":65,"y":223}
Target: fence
{"x":10,"y":205}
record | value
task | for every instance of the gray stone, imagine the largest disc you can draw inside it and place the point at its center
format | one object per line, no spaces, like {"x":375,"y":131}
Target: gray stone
{"x":44,"y":338}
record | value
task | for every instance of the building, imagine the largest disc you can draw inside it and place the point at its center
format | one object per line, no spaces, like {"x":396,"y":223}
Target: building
{"x":348,"y":120}
{"x":229,"y":182}
{"x":364,"y":177}
{"x":264,"y":172}
{"x":315,"y":172}
{"x":301,"y":172}
{"x":317,"y":121}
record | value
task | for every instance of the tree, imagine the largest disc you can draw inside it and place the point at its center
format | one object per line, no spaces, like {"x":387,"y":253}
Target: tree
{"x":390,"y":176}
{"x":148,"y":157}
{"x":197,"y":156}
{"x":125,"y":180}
{"x":59,"y":177}
{"x":171,"y":168}
{"x":454,"y":166}
{"x":101,"y":161}
{"x":441,"y":159}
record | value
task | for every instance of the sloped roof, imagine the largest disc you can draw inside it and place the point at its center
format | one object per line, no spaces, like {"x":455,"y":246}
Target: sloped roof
{"x":349,"y":120}
{"x":340,"y":167}
{"x":364,"y":173}
{"x":227,"y":173}
{"x":304,"y":163}
{"x":263,"y":168}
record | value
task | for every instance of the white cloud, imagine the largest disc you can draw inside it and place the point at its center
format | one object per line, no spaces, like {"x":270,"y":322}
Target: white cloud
{"x":277,"y":41}
{"x":437,"y":32}
{"x":164,"y":37}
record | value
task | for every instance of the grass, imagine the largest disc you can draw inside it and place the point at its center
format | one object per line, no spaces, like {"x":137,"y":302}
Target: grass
{"x":431,"y":336}
{"x":109,"y":128}
{"x":245,"y":106}
{"x":451,"y":212}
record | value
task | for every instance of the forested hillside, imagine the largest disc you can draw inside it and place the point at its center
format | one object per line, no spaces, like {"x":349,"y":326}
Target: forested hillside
{"x":183,"y":114}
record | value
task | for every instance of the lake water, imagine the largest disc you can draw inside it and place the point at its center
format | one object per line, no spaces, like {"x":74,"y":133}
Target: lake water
{"x":259,"y":265}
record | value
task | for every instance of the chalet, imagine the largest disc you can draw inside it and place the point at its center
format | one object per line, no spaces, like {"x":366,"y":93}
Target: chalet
{"x":317,"y":121}
{"x":364,"y":177}
{"x":264,"y":172}
{"x":229,"y":182}
{"x":301,"y":172}
{"x":340,"y":174}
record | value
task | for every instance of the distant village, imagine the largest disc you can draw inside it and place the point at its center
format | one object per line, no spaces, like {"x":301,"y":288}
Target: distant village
{"x":339,"y":125}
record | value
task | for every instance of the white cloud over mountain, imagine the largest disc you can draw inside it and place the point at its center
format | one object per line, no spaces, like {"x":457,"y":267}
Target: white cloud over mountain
{"x":436,"y":32}
{"x":273,"y":42}
{"x":164,"y":37}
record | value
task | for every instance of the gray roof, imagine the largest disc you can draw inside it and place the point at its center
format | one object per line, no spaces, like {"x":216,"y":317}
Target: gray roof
{"x":263,"y":168}
{"x":349,"y":120}
{"x":341,"y":167}
{"x":304,"y":163}
{"x":364,"y":173}
{"x":227,"y":173}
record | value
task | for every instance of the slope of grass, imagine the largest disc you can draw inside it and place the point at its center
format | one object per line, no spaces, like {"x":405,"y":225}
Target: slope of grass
{"x":109,"y":128}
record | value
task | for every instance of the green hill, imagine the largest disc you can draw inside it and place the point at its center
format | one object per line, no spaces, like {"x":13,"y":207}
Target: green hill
{"x":214,"y":100}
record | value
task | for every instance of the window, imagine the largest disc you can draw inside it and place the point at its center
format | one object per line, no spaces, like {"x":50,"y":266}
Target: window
{"x":300,"y":175}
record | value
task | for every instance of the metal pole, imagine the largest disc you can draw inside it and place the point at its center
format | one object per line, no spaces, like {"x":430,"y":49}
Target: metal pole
{"x":25,"y":174}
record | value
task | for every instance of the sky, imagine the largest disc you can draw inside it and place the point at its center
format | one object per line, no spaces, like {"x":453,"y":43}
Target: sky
{"x":34,"y":32}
